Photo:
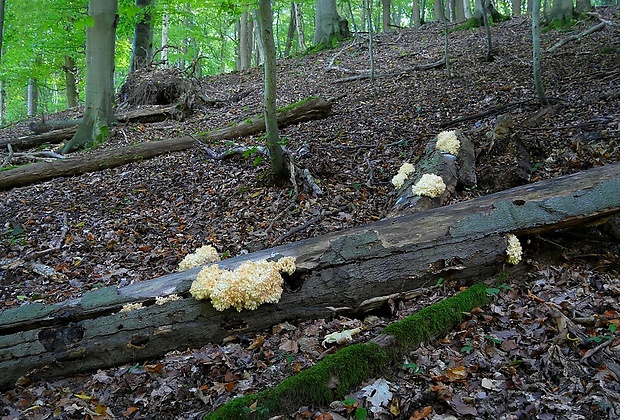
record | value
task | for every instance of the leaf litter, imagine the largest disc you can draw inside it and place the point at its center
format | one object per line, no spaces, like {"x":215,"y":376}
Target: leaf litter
{"x":546,"y":347}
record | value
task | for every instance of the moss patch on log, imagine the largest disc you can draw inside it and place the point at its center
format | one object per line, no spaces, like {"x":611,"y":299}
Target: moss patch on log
{"x":336,"y":375}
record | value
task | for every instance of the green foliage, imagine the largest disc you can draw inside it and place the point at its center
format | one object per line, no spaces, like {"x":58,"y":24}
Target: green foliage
{"x":561,"y":25}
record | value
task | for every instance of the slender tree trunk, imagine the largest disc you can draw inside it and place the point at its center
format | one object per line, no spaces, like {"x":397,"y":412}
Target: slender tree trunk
{"x":33,"y":97}
{"x":562,"y":10}
{"x":70,"y":83}
{"x":271,"y":120}
{"x":487,"y":28}
{"x":371,"y":54}
{"x":446,"y":49}
{"x":351,"y":17}
{"x":2,"y":8}
{"x":2,"y":103}
{"x":245,"y":41}
{"x":417,"y":21}
{"x":467,"y":9}
{"x":439,"y":11}
{"x":386,"y":16}
{"x":164,"y":38}
{"x":142,"y":51}
{"x":583,"y":6}
{"x":299,"y":21}
{"x":460,"y":10}
{"x":100,"y":38}
{"x":540,"y":90}
{"x":291,"y":32}
{"x":516,"y":7}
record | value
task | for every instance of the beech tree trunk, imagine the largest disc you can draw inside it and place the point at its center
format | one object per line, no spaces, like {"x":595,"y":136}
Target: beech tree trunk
{"x":311,"y":109}
{"x":246,"y":33}
{"x":100,"y":40}
{"x":70,"y":82}
{"x":351,"y":271}
{"x":142,"y":49}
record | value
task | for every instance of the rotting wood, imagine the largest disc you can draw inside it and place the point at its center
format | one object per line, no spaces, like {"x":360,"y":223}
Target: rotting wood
{"x":338,"y":272}
{"x":312,"y":109}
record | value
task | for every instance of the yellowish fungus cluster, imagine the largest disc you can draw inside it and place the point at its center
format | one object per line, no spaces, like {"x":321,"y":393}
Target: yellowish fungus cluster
{"x":128,"y":307}
{"x":203,"y":255}
{"x":247,"y":287}
{"x":513,"y":250}
{"x":162,"y":300}
{"x":405,"y":170}
{"x":447,"y":142}
{"x":430,"y":185}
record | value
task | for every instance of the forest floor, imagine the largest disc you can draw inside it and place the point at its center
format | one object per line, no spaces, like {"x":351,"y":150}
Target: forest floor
{"x":512,"y":359}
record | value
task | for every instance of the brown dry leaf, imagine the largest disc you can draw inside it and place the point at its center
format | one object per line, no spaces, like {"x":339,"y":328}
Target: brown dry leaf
{"x":422,"y":413}
{"x":443,"y":392}
{"x":395,"y":407}
{"x":324,"y":416}
{"x":461,"y":407}
{"x":457,"y":373}
{"x":154,"y":368}
{"x":289,"y":346}
{"x":130,"y":411}
{"x":257,"y":342}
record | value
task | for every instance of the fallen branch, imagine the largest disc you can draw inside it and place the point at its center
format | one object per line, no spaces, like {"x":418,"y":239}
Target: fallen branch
{"x":313,"y":108}
{"x":575,"y":37}
{"x":365,"y":74}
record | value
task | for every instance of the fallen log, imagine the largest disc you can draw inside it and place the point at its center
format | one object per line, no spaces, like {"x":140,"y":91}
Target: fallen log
{"x":314,"y":108}
{"x":351,"y":271}
{"x":54,"y":132}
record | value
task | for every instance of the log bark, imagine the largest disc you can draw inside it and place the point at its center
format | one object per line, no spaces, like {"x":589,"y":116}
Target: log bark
{"x":312,"y":109}
{"x":343,"y":272}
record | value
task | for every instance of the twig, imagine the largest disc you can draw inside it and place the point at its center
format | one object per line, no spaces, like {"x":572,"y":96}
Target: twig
{"x":598,"y":27}
{"x":9,"y":156}
{"x":310,"y":222}
{"x":61,"y":238}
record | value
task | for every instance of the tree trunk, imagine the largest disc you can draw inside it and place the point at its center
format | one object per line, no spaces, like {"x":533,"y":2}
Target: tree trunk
{"x":349,"y":272}
{"x":245,"y":41}
{"x":562,"y":10}
{"x":467,"y":9}
{"x":540,"y":90}
{"x":2,"y":8}
{"x":98,"y":115}
{"x":386,"y":14}
{"x":326,"y":22}
{"x":417,"y":21}
{"x":33,"y":97}
{"x":460,"y":10}
{"x":276,"y":156}
{"x":516,"y":7}
{"x":2,"y":103}
{"x":439,"y":11}
{"x":311,"y":109}
{"x":299,"y":20}
{"x":291,"y":32}
{"x":142,"y":50}
{"x":70,"y":83}
{"x":583,"y":6}
{"x":164,"y":38}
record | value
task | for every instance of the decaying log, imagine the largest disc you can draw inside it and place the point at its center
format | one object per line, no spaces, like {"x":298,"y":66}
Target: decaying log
{"x":311,"y":109}
{"x":348,"y":271}
{"x":54,"y":132}
{"x":454,"y":170}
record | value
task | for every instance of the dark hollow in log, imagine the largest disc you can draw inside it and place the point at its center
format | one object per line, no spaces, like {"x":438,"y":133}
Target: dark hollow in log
{"x":349,"y":271}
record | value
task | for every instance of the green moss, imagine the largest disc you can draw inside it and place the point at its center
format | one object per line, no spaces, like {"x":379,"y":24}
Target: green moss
{"x":296,"y":104}
{"x":438,"y":318}
{"x":471,"y":23}
{"x":335,"y":376}
{"x":350,"y":366}
{"x":561,"y":25}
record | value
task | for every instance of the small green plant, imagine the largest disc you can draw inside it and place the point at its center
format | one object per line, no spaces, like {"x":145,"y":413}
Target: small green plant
{"x":439,"y":282}
{"x":493,"y":339}
{"x":352,"y":406}
{"x":493,"y":291}
{"x":467,"y":347}
{"x":414,"y":368}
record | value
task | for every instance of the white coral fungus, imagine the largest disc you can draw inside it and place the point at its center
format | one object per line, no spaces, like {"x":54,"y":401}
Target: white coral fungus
{"x":247,"y":287}
{"x":128,"y":307}
{"x":162,"y":300}
{"x":405,"y":170}
{"x":513,"y":250}
{"x":203,"y":255}
{"x":430,"y":185}
{"x":447,"y":142}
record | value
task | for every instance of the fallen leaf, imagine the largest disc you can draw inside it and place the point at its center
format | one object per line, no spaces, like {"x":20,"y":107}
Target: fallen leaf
{"x":422,"y":413}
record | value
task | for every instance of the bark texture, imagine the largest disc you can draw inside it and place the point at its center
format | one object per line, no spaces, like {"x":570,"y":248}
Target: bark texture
{"x":344,"y":272}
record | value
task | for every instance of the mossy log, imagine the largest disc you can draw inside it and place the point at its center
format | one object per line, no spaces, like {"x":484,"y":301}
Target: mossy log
{"x":312,"y":109}
{"x":351,"y":271}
